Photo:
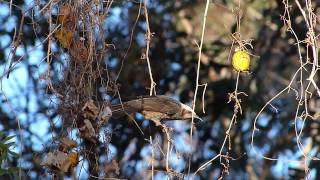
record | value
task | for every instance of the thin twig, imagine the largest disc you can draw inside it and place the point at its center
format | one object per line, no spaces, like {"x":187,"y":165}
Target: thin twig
{"x":197,"y":77}
{"x":148,"y":39}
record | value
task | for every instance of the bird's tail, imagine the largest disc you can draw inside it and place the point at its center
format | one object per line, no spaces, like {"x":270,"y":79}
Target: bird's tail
{"x":120,"y":110}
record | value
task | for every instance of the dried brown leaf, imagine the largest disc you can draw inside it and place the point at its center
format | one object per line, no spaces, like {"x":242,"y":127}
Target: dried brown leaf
{"x":113,"y":166}
{"x":66,"y":144}
{"x":90,"y":110}
{"x":87,"y":131}
{"x":61,"y":161}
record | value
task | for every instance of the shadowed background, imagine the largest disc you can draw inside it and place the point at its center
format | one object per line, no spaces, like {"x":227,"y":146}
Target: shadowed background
{"x":175,"y":27}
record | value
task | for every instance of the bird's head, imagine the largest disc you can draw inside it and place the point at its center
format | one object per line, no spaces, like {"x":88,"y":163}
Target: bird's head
{"x":187,"y":113}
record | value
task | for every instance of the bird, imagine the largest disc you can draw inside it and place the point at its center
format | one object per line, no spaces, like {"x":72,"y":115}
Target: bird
{"x":156,"y":108}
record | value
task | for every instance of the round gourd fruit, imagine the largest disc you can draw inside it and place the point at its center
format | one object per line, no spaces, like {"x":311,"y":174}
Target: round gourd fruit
{"x":241,"y":61}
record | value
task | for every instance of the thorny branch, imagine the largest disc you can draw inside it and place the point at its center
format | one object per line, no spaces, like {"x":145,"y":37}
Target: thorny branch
{"x":306,"y":82}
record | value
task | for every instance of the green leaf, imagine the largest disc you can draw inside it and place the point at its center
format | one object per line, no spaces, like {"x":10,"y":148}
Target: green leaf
{"x":10,"y":144}
{"x":3,"y":154}
{"x":2,"y":172}
{"x":8,"y":138}
{"x":13,"y":170}
{"x":3,"y":157}
{"x":3,"y":146}
{"x":13,"y":153}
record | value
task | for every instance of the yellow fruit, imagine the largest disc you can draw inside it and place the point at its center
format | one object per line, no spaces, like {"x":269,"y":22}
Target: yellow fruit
{"x":64,"y":37}
{"x":73,"y":159}
{"x":241,"y":61}
{"x":64,"y":13}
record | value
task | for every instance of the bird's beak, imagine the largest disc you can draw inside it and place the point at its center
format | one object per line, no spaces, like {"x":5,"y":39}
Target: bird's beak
{"x":189,"y":113}
{"x":197,"y":117}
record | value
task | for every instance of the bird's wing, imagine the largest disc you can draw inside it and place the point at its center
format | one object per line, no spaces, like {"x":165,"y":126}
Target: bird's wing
{"x":120,"y":110}
{"x":162,"y":104}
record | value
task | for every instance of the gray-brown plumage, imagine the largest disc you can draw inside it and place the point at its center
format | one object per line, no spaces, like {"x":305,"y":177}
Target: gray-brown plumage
{"x":155,"y":108}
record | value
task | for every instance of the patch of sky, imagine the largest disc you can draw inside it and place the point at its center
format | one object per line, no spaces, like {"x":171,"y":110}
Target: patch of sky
{"x":182,"y":144}
{"x":38,"y":144}
{"x":4,"y":10}
{"x":145,"y":123}
{"x":139,"y":116}
{"x":7,"y":109}
{"x":245,"y":125}
{"x":263,"y":120}
{"x":106,"y":97}
{"x":132,"y":147}
{"x":10,"y":24}
{"x":8,"y":55}
{"x":176,"y":161}
{"x":114,"y":16}
{"x":57,"y":120}
{"x":265,"y":149}
{"x":140,"y":38}
{"x":82,"y":169}
{"x":95,"y":31}
{"x":281,"y":167}
{"x":299,"y":123}
{"x":103,"y":159}
{"x":32,"y":101}
{"x":25,"y":164}
{"x":73,"y":134}
{"x":112,"y":151}
{"x":29,"y":2}
{"x":40,"y":71}
{"x":207,"y":153}
{"x":54,"y":46}
{"x":20,"y":51}
{"x":181,"y":126}
{"x":313,"y":151}
{"x":64,"y":61}
{"x":162,"y":82}
{"x":104,"y":134}
{"x":192,"y":176}
{"x":15,"y":86}
{"x":5,"y":40}
{"x":10,"y":111}
{"x":40,"y":125}
{"x":145,"y":151}
{"x":129,"y":166}
{"x":141,"y":166}
{"x":158,"y":7}
{"x":215,"y":130}
{"x":54,"y":10}
{"x":161,"y":176}
{"x":176,"y":66}
{"x":37,"y":53}
{"x":167,"y":17}
{"x":112,"y":62}
{"x":32,"y":174}
{"x":253,"y":152}
{"x":312,"y":174}
{"x":305,"y":144}
{"x":273,"y":132}
{"x":175,"y":96}
{"x":58,"y":72}
{"x":256,"y":154}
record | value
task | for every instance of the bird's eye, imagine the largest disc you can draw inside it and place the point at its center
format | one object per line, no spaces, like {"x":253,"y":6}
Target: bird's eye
{"x":170,"y":113}
{"x":186,"y":114}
